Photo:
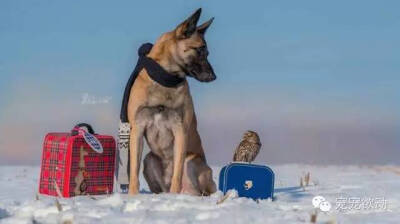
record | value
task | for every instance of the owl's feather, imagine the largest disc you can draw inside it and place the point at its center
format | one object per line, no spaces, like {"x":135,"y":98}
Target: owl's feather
{"x":248,"y":149}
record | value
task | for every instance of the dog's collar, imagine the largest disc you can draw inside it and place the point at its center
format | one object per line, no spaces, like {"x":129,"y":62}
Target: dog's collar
{"x":156,"y":73}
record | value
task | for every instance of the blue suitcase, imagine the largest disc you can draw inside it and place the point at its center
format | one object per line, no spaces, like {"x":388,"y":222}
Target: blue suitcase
{"x":249,"y":180}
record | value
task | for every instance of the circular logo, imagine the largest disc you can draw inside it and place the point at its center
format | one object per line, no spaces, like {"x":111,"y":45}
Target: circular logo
{"x":321,"y":203}
{"x":325,"y":206}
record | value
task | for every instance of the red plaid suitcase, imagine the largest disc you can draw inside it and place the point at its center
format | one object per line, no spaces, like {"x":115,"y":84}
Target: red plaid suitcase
{"x":71,"y":167}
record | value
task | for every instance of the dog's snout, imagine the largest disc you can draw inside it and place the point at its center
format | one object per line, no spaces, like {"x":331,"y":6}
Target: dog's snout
{"x":207,"y":77}
{"x":214,"y":77}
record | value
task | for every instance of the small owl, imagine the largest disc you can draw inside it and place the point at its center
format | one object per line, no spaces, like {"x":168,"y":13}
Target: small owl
{"x":248,"y":147}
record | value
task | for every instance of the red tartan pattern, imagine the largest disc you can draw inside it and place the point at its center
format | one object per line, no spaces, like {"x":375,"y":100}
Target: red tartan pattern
{"x":100,"y":167}
{"x":53,"y":163}
{"x":60,"y":164}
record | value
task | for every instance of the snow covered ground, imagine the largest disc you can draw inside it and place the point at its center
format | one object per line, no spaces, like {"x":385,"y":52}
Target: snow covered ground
{"x":356,"y":189}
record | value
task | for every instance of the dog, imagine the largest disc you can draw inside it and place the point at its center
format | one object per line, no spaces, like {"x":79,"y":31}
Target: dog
{"x":165,"y":116}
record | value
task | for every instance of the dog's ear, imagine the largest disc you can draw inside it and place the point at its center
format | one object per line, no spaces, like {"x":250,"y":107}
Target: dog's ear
{"x":203,"y":27}
{"x":188,"y":27}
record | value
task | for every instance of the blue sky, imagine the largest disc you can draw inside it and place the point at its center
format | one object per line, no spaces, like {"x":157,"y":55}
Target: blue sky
{"x":319,"y":80}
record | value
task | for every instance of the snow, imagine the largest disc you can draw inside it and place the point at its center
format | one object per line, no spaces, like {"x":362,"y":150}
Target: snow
{"x":19,"y":202}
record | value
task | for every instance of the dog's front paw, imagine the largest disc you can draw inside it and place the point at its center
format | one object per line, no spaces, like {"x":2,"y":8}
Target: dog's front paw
{"x":175,"y":188}
{"x":133,"y":189}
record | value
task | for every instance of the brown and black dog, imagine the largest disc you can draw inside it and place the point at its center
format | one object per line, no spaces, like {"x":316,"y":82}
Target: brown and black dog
{"x":165,"y":116}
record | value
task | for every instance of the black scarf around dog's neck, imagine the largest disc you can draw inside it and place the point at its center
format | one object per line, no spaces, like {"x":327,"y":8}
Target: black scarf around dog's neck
{"x":154,"y":70}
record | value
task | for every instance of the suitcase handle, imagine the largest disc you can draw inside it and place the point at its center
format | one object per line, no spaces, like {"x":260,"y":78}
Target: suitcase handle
{"x":87,"y":126}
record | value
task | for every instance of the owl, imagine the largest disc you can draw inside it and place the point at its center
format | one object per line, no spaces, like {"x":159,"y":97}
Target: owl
{"x":248,"y":148}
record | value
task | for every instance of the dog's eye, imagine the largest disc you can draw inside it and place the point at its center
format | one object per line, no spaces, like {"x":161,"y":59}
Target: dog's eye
{"x":201,"y":51}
